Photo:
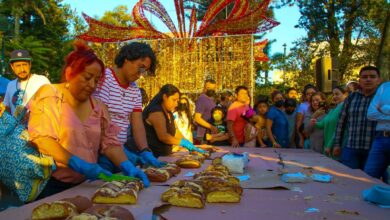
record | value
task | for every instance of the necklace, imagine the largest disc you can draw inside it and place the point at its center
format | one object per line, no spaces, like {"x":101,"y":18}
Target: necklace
{"x":20,"y":93}
{"x":17,"y":99}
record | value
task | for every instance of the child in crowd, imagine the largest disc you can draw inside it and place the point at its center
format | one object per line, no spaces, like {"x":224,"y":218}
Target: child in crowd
{"x":218,"y":120}
{"x":262,"y":108}
{"x":250,"y":128}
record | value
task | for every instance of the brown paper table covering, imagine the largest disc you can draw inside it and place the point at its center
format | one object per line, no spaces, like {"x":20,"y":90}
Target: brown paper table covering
{"x":340,"y":199}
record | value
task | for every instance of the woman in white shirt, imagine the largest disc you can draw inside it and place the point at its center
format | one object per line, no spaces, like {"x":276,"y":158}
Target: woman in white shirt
{"x":183,"y":118}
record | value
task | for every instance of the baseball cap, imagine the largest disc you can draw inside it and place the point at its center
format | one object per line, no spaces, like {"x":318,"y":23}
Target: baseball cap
{"x":18,"y":55}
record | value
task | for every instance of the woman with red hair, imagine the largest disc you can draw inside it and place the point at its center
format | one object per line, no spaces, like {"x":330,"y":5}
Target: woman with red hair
{"x":67,"y":123}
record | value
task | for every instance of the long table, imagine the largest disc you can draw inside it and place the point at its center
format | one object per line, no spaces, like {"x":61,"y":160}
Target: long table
{"x":264,"y":197}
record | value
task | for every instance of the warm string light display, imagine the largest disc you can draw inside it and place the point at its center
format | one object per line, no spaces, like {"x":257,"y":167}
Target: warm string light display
{"x":187,"y":62}
{"x":187,"y":56}
{"x":243,"y":19}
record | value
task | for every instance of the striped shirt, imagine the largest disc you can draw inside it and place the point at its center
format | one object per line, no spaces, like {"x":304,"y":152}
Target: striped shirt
{"x":354,"y":121}
{"x":121,"y":101}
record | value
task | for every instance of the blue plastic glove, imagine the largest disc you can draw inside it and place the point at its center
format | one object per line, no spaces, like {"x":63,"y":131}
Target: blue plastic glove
{"x":90,"y":170}
{"x":130,"y":170}
{"x":149,"y":158}
{"x":107,"y":164}
{"x":189,"y":146}
{"x":132,"y":157}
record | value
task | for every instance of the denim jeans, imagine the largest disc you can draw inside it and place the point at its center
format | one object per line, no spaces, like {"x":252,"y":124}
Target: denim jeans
{"x":354,"y":158}
{"x":379,"y":157}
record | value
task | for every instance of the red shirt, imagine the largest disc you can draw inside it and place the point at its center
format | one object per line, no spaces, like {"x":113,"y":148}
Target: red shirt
{"x":234,"y":114}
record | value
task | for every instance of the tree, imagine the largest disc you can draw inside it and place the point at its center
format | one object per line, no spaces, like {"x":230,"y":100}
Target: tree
{"x":21,"y":11}
{"x":47,"y":39}
{"x":383,"y":58}
{"x":77,"y":24}
{"x":203,"y":5}
{"x":118,"y":17}
{"x":297,"y":65}
{"x":351,"y":28}
{"x":264,"y":67}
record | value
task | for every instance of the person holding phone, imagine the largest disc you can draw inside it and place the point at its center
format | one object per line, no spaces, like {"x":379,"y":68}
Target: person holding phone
{"x":314,"y":137}
{"x":329,"y":123}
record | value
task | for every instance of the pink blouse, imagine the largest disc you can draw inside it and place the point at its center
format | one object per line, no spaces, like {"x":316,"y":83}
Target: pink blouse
{"x":51,"y":116}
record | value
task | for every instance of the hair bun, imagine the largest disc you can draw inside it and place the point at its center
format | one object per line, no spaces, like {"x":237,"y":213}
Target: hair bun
{"x":80,"y":45}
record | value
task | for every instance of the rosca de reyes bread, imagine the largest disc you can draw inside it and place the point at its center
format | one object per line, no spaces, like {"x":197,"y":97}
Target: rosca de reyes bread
{"x":162,"y":174}
{"x":190,"y":161}
{"x":218,"y":185}
{"x":204,"y":156}
{"x":213,"y":185}
{"x":184,"y":193}
{"x":104,"y":212}
{"x":219,"y":189}
{"x":118,"y":192}
{"x":61,"y":209}
{"x":209,"y":148}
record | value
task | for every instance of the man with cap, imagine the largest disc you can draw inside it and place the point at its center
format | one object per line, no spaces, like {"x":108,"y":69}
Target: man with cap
{"x":20,"y":90}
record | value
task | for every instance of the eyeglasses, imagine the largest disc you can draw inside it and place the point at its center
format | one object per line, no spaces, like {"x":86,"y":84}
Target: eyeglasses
{"x":143,"y":71}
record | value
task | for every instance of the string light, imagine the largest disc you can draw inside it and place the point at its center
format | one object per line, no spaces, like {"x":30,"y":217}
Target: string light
{"x":221,"y":50}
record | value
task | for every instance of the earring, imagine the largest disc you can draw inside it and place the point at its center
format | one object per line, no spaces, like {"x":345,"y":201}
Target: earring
{"x":67,"y":86}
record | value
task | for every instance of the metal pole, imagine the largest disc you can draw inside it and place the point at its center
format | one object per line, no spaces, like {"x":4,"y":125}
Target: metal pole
{"x":252,"y":70}
{"x":284,"y":65}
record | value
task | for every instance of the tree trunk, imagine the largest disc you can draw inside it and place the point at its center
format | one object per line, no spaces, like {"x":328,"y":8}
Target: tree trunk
{"x":333,"y":32}
{"x":346,"y":53}
{"x":383,"y":59}
{"x":17,"y":26}
{"x":17,"y":13}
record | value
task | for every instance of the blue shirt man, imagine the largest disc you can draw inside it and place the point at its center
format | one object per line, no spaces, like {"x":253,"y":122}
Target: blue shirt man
{"x":379,"y":157}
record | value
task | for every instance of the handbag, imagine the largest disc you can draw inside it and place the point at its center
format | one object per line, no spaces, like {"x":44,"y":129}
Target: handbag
{"x":23,"y":170}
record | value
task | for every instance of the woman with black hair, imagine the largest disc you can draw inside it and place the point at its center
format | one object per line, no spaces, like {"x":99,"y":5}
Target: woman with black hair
{"x":277,"y":123}
{"x":159,"y":122}
{"x":329,"y":123}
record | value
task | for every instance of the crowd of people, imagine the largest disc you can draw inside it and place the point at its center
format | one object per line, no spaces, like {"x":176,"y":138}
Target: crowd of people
{"x":99,"y":121}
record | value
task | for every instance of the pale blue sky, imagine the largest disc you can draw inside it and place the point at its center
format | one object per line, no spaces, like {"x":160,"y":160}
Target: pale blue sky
{"x":284,"y":33}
